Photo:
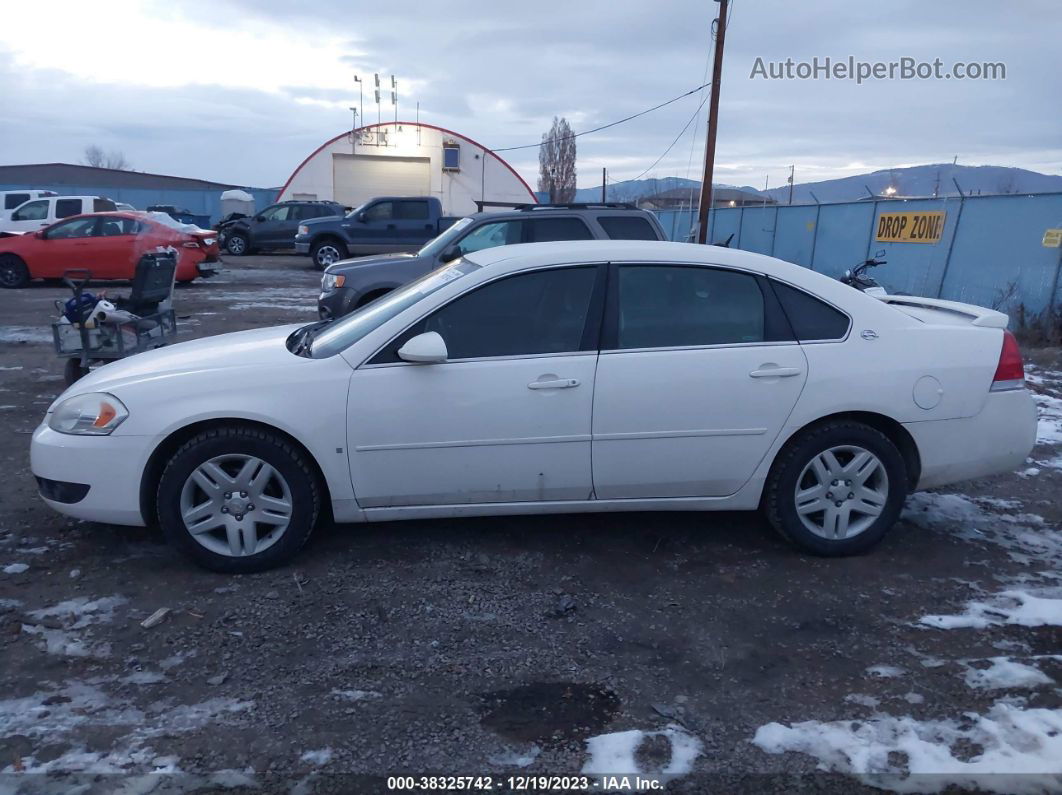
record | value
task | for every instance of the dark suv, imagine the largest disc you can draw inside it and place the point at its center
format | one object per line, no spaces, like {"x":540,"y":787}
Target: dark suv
{"x":352,"y":283}
{"x":274,"y":227}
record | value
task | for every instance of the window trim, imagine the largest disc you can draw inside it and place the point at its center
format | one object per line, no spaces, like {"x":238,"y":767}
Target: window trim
{"x":834,"y":340}
{"x":610,"y":328}
{"x":592,"y":327}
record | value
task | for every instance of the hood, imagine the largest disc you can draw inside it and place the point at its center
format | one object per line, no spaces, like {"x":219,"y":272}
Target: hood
{"x":375,"y":259}
{"x":230,"y":352}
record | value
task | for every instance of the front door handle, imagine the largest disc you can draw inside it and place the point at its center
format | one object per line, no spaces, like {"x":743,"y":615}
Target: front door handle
{"x":554,"y":383}
{"x":776,"y":372}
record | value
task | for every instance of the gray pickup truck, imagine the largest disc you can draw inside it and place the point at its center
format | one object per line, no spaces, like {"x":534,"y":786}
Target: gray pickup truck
{"x":350,"y":284}
{"x":383,"y":224}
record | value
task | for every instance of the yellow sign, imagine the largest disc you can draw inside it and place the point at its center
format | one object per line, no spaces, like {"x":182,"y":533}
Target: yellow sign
{"x":918,"y":227}
{"x":1052,"y":238}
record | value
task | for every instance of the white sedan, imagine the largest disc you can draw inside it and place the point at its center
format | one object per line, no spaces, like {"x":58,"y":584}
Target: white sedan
{"x":550,"y":378}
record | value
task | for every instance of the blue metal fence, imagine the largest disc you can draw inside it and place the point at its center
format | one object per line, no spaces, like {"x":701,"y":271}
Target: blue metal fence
{"x":197,"y":201}
{"x":991,"y":251}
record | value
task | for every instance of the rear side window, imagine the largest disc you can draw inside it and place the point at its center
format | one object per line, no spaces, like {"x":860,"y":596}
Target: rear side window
{"x":543,"y":230}
{"x":664,"y":306}
{"x":67,"y":207}
{"x":103,"y":206}
{"x":810,"y":318}
{"x":621,"y":227}
{"x":411,"y":211}
{"x":13,"y":200}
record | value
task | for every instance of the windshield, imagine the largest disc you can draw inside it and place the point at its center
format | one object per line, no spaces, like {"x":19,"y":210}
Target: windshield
{"x":341,"y":334}
{"x":356,"y":210}
{"x":440,"y":243}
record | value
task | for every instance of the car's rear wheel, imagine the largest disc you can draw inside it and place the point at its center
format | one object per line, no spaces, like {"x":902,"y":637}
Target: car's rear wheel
{"x":238,"y":499}
{"x":836,"y":489}
{"x":328,"y":251}
{"x":237,"y":244}
{"x":13,"y":272}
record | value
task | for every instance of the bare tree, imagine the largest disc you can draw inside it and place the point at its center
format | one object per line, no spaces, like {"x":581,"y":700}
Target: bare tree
{"x":556,"y":162}
{"x":97,"y":158}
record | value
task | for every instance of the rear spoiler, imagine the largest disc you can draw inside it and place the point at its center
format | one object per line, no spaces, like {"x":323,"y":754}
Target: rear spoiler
{"x":978,"y":315}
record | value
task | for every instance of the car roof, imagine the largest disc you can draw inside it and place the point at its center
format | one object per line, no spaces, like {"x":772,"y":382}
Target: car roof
{"x":532,"y":211}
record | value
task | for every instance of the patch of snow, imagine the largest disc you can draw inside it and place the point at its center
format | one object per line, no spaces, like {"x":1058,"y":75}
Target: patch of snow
{"x":9,"y":367}
{"x":885,"y":671}
{"x":18,"y":334}
{"x":355,"y":695}
{"x":14,"y":568}
{"x":515,"y":758}
{"x":78,"y":613}
{"x":32,"y":551}
{"x":615,"y":753}
{"x":320,"y":757}
{"x":1049,"y":426}
{"x":914,"y":698}
{"x":1021,"y":749}
{"x":1005,"y":673}
{"x":1012,"y":606}
{"x":862,"y":700}
{"x":143,"y":678}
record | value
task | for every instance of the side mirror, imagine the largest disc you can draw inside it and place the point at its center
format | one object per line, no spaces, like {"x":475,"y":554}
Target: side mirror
{"x":450,"y":254}
{"x":360,"y":217}
{"x":428,"y":348}
{"x":39,"y":234}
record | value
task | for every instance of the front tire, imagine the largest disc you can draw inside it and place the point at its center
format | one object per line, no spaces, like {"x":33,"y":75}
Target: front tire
{"x":13,"y":272}
{"x":327,"y":252}
{"x":238,"y":500}
{"x":836,"y":489}
{"x":237,"y":244}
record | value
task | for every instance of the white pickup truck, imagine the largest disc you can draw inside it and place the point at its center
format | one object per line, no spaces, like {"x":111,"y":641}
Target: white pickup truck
{"x":10,"y":199}
{"x":38,"y":213}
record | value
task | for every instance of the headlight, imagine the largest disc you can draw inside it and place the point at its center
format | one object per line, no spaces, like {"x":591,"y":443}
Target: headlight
{"x":330,"y":281}
{"x":91,"y":414}
{"x":304,"y":230}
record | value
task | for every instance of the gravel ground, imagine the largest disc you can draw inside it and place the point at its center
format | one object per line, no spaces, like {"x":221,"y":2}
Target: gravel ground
{"x":700,"y":648}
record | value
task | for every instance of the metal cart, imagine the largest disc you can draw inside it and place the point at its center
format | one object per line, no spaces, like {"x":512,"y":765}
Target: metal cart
{"x":87,"y":342}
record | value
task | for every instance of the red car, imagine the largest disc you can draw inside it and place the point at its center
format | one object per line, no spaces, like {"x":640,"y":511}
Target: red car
{"x":108,"y":244}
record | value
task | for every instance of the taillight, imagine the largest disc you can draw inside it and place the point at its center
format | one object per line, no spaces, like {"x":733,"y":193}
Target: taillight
{"x":1010,"y":372}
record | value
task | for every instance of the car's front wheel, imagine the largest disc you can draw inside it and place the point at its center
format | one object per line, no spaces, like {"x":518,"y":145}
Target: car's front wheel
{"x":327,"y":252}
{"x":237,"y":244}
{"x":13,"y":272}
{"x":836,"y":489}
{"x":238,"y":499}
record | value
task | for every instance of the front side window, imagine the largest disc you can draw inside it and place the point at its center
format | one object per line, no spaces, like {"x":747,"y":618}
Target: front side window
{"x":64,"y":208}
{"x":412,"y":211}
{"x":34,"y":211}
{"x":526,"y":314}
{"x":76,"y":227}
{"x":663,"y":306}
{"x":544,"y":230}
{"x":627,"y":227}
{"x":13,"y":200}
{"x":381,"y":211}
{"x":279,"y":212}
{"x":499,"y":233}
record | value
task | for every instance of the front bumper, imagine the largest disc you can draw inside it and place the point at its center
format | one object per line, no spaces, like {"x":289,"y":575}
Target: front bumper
{"x":336,"y":303}
{"x":113,"y":490}
{"x":302,"y":247}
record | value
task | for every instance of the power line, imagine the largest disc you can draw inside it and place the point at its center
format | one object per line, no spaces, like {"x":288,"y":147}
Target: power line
{"x":603,"y":126}
{"x":696,"y":115}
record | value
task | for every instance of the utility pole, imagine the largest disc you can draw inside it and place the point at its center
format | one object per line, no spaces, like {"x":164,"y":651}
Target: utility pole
{"x":604,"y":177}
{"x":713,"y":118}
{"x":792,"y":173}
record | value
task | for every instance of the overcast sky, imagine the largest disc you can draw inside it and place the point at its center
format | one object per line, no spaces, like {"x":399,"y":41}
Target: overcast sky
{"x":242,"y":90}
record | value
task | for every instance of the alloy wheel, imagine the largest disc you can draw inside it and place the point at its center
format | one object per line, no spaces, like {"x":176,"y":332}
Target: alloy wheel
{"x":236,"y":245}
{"x":236,"y":505}
{"x":327,"y":254}
{"x":841,"y":492}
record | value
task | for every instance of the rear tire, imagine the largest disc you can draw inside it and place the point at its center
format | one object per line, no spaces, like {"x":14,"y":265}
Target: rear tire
{"x":237,"y":244}
{"x":836,"y":489}
{"x":210,"y":485}
{"x":13,"y":272}
{"x":327,"y":252}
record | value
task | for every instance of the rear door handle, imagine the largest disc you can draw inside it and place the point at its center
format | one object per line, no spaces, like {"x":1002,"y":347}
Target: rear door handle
{"x":776,"y":372}
{"x":555,"y":383}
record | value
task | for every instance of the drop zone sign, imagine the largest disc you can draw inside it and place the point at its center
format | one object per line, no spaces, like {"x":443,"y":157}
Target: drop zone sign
{"x":917,"y":227}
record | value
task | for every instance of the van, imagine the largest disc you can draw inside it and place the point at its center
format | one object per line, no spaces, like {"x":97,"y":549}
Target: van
{"x":39,"y":213}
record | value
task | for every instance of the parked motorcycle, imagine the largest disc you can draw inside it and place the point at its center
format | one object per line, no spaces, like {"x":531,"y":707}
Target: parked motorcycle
{"x":858,"y":277}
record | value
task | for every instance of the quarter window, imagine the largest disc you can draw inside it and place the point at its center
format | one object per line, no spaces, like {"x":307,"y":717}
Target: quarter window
{"x":34,"y":211}
{"x":621,"y":227}
{"x":530,"y":313}
{"x":663,"y":306}
{"x":543,"y":230}
{"x":67,"y":207}
{"x":810,"y":318}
